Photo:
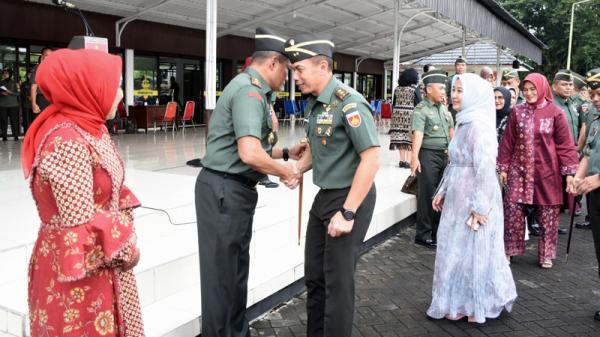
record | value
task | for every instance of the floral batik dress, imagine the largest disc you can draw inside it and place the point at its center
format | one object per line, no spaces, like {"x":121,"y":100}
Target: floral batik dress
{"x":77,"y":286}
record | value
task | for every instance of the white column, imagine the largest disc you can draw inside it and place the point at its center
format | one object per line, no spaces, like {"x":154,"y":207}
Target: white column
{"x":129,"y":59}
{"x":385,"y":76}
{"x":396,"y":60}
{"x":354,"y":79}
{"x":210,"y":69}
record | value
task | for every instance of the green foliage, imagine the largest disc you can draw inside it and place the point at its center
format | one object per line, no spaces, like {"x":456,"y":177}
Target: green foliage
{"x":550,"y":20}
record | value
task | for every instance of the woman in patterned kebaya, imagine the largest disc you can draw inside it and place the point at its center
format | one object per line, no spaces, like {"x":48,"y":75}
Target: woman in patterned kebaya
{"x":81,"y":281}
{"x":535,"y":152}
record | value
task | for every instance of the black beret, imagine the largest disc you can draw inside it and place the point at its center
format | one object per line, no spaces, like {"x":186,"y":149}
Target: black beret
{"x":593,"y":78}
{"x":304,"y":46}
{"x":267,"y":40}
{"x":563,"y":75}
{"x":578,"y":80}
{"x":434,"y":76}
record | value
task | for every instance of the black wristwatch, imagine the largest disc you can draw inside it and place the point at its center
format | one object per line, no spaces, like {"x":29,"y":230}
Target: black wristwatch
{"x":348,"y":214}
{"x":286,"y":154}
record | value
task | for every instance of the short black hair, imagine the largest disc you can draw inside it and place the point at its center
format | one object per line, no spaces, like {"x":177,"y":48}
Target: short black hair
{"x":317,"y":59}
{"x":408,"y":77}
{"x":261,"y":56}
{"x":426,"y":68}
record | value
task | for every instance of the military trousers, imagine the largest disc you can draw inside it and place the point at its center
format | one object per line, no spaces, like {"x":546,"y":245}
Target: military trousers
{"x":593,"y":208}
{"x":224,"y":212}
{"x":330,"y":264}
{"x":433,"y":164}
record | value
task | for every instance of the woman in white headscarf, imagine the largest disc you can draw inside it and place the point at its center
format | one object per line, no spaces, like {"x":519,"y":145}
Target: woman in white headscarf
{"x":472,"y":277}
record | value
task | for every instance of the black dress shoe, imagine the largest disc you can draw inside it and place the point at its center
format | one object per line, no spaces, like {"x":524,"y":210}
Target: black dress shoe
{"x":266,"y":182}
{"x":562,"y":231}
{"x":426,"y":243}
{"x":534,"y":230}
{"x":583,"y":225}
{"x":597,"y":316}
{"x":194,"y":162}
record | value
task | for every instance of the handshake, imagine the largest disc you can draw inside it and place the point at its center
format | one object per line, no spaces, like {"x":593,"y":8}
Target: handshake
{"x":292,"y":176}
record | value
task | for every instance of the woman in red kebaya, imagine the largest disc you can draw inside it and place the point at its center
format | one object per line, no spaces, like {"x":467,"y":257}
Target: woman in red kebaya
{"x":81,"y":281}
{"x":535,"y":152}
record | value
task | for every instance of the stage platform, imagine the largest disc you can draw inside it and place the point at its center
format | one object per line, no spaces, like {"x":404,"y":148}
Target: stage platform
{"x":168,"y":272}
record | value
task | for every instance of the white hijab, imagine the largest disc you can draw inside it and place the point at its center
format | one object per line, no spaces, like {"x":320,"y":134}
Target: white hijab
{"x":477,"y":101}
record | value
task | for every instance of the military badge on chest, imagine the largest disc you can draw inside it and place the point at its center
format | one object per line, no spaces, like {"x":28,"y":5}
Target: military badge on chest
{"x":325,"y":124}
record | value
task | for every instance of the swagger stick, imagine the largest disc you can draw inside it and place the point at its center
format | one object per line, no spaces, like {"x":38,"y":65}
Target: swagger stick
{"x":570,"y":229}
{"x":300,"y":190}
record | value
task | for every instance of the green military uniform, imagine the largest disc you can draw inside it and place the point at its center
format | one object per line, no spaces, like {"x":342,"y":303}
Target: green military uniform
{"x":9,"y":108}
{"x":434,"y":121}
{"x":568,"y":105}
{"x":226,"y":196}
{"x":592,"y":151}
{"x":340,"y":127}
{"x":243,"y":110}
{"x":570,"y":109}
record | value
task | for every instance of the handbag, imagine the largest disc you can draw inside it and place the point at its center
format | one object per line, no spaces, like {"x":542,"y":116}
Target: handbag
{"x":410,"y":185}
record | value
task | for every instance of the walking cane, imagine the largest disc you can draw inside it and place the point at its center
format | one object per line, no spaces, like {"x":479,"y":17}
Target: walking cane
{"x":570,"y":229}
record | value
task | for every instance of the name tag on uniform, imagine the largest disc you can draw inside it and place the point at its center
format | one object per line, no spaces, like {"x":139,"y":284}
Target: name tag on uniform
{"x":325,"y":119}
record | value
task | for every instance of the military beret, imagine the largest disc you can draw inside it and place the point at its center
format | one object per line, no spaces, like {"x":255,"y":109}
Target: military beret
{"x":304,"y":46}
{"x":509,"y":74}
{"x":434,"y":76}
{"x":267,"y":40}
{"x":563,"y":75}
{"x":593,"y":78}
{"x":460,"y":60}
{"x":578,"y":80}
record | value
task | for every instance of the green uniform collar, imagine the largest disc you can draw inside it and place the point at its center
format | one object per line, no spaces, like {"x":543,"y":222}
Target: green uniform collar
{"x":264,"y":87}
{"x":325,"y":96}
{"x":560,"y":99}
{"x":430,"y":103}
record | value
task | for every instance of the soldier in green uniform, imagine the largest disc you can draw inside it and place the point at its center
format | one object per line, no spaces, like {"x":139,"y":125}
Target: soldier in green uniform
{"x":582,"y":104}
{"x":587,"y":178}
{"x":433,"y":128}
{"x":344,"y":155}
{"x":562,"y":89}
{"x":460,"y":67}
{"x":239,"y":151}
{"x":510,"y":79}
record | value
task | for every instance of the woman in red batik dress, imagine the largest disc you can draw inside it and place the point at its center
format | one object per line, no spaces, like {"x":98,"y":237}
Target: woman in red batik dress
{"x":535,"y":152}
{"x":81,"y":281}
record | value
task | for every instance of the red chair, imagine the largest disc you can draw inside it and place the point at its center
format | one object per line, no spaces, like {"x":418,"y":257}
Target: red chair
{"x":188,"y":114}
{"x":170,"y":117}
{"x":386,"y":111}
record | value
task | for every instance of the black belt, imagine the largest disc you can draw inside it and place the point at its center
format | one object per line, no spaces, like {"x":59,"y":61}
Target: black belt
{"x":239,"y":178}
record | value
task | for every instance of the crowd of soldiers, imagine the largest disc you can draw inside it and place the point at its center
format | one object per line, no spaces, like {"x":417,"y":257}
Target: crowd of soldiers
{"x":342,"y":148}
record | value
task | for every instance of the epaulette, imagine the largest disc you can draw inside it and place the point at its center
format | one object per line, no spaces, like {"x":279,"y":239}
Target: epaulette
{"x":341,"y":93}
{"x":420,"y":105}
{"x":255,"y":82}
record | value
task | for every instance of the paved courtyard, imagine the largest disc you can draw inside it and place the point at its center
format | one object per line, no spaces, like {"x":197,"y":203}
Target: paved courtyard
{"x":393,"y":291}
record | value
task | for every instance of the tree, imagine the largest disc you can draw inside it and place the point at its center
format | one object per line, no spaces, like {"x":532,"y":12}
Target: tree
{"x":549,"y":20}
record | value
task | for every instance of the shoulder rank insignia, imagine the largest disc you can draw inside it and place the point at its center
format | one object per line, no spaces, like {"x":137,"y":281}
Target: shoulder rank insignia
{"x":255,"y":82}
{"x":341,"y":93}
{"x":420,"y":105}
{"x":349,"y":106}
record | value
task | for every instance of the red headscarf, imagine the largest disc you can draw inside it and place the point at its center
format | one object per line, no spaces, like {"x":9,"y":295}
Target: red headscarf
{"x":541,"y":85}
{"x":81,"y":86}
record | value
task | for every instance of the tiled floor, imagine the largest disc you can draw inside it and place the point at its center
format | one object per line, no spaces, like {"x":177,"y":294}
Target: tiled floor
{"x":168,"y":273}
